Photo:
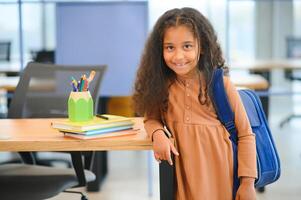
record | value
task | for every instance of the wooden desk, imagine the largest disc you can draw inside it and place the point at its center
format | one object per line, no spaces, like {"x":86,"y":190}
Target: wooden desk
{"x":37,"y":135}
{"x":9,"y":83}
{"x":251,"y":81}
{"x":10,"y":68}
{"x":264,"y":68}
{"x":267,"y":65}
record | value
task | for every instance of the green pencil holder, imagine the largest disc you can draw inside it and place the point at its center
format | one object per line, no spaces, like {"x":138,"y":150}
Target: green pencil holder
{"x":80,"y":106}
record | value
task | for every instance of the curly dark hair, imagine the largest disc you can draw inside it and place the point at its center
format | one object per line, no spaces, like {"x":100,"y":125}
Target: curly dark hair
{"x":154,"y":77}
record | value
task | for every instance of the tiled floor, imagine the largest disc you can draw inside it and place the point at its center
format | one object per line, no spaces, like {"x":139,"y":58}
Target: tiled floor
{"x":127,"y":179}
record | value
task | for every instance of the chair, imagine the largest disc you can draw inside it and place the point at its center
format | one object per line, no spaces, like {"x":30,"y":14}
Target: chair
{"x":43,"y":92}
{"x":44,"y":56}
{"x":5,"y":47}
{"x":27,"y":181}
{"x":293,"y":50}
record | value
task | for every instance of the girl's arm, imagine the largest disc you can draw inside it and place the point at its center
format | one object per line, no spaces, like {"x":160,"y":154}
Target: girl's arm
{"x":162,"y":146}
{"x":246,"y":139}
{"x":247,"y":169}
{"x":246,"y":190}
{"x":152,"y":123}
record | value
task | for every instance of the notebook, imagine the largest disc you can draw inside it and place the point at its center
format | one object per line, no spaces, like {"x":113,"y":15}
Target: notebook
{"x":106,"y":135}
{"x":96,"y":123}
{"x":101,"y":131}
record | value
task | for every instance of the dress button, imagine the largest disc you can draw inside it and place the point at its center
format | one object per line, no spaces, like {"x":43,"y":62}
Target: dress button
{"x":188,"y":95}
{"x":187,"y":107}
{"x":187,"y":118}
{"x":187,"y":85}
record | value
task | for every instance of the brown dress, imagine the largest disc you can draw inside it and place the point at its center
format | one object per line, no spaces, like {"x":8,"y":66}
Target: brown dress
{"x":204,"y":168}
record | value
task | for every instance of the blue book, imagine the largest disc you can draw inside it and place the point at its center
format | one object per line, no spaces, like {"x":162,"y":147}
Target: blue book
{"x":96,"y":124}
{"x":101,"y":131}
{"x":112,"y":132}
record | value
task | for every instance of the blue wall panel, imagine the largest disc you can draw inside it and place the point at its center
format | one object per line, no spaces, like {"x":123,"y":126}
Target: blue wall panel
{"x":111,"y":33}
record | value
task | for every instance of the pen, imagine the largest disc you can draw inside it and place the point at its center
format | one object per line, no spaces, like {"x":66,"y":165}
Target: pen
{"x":78,"y":86}
{"x":102,"y":117}
{"x":167,"y":131}
{"x":85,"y":83}
{"x":83,"y":86}
{"x":73,"y":86}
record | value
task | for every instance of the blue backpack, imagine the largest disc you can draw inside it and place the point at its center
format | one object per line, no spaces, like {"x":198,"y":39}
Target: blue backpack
{"x":268,"y":163}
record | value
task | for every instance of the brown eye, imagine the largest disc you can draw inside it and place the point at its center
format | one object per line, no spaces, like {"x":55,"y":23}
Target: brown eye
{"x":169,"y":48}
{"x":188,"y":46}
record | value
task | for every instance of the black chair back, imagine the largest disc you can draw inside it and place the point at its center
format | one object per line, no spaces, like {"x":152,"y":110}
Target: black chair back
{"x":43,"y":90}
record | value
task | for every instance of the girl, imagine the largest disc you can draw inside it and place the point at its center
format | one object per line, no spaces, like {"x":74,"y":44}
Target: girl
{"x":173,"y":88}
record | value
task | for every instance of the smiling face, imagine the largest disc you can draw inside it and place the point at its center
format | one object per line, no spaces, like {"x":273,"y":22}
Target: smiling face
{"x":180,"y":51}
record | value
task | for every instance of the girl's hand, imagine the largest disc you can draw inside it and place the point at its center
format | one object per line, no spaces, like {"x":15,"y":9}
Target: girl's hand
{"x":162,"y":147}
{"x":246,"y":190}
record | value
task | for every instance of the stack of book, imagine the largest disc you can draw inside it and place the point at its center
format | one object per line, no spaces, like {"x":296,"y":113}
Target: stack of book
{"x":102,"y":126}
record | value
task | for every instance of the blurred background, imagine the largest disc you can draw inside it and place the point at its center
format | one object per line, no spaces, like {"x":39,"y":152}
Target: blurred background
{"x":261,"y":41}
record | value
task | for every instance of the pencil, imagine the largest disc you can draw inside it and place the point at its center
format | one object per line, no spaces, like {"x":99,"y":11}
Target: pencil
{"x":91,"y":76}
{"x":102,"y":117}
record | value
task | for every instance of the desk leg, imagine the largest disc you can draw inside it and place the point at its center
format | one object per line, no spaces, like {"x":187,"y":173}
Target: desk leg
{"x":264,"y":99}
{"x":167,"y":181}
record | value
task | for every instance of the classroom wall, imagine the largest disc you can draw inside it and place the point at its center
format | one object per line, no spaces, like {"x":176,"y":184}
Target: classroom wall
{"x":111,"y":33}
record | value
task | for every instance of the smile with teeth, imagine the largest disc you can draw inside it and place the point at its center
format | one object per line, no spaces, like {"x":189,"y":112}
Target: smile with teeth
{"x":180,"y":64}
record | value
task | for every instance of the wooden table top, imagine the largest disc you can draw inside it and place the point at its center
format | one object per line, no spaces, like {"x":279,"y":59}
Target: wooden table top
{"x":10,"y":67}
{"x":9,"y":83}
{"x":267,"y":65}
{"x":251,"y":81}
{"x":38,"y":135}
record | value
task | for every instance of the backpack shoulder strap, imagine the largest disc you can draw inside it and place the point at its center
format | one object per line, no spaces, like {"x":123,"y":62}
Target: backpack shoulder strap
{"x":222,"y":105}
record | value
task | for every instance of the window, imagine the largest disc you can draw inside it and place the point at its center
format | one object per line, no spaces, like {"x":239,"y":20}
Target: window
{"x":241,"y":30}
{"x":39,"y":24}
{"x":297,"y":17}
{"x":241,"y":22}
{"x":9,"y":28}
{"x":38,"y":27}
